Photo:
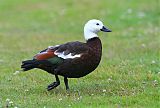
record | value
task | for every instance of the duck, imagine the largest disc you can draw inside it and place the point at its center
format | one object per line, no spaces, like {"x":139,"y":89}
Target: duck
{"x":72,"y":59}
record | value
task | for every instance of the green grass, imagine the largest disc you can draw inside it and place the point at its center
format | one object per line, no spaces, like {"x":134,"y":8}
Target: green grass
{"x":128,"y":75}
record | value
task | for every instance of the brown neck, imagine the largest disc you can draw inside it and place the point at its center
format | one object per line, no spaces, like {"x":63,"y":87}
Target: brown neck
{"x":95,"y":43}
{"x":95,"y":51}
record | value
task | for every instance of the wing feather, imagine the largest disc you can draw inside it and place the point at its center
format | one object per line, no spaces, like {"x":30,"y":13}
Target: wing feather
{"x":71,"y":50}
{"x":68,"y":50}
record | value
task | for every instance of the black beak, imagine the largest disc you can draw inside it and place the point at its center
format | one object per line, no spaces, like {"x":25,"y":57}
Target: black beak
{"x":104,"y":29}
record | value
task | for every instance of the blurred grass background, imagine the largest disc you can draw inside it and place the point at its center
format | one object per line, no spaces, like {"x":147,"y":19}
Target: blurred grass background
{"x":129,"y":73}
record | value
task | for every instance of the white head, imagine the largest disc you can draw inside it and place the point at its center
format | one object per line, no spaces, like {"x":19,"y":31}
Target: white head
{"x":92,"y":27}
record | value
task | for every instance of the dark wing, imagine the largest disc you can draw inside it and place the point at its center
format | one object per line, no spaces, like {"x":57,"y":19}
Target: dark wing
{"x":69,"y":50}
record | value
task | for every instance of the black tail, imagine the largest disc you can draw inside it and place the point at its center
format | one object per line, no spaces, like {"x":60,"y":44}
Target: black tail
{"x":28,"y":64}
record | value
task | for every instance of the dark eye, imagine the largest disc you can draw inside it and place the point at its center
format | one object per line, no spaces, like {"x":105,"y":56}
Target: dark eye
{"x":97,"y":24}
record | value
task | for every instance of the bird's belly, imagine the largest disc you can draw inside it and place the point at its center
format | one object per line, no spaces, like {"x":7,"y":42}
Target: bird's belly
{"x":79,"y":68}
{"x":77,"y":73}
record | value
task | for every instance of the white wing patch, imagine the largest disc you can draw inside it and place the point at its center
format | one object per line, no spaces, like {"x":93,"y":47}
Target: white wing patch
{"x":69,"y":56}
{"x":51,"y":47}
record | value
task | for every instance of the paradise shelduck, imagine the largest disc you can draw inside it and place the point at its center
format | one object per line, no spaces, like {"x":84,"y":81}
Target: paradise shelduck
{"x":72,"y":59}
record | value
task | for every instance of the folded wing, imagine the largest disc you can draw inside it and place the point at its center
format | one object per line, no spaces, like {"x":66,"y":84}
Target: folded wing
{"x":56,"y":54}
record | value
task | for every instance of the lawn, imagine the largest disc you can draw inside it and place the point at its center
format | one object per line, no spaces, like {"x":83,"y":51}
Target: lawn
{"x":128,"y":75}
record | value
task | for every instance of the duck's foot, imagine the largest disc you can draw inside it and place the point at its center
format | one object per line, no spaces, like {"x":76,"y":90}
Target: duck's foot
{"x":53,"y":85}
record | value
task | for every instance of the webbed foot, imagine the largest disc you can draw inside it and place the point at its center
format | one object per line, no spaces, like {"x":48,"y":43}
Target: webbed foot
{"x":53,"y":85}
